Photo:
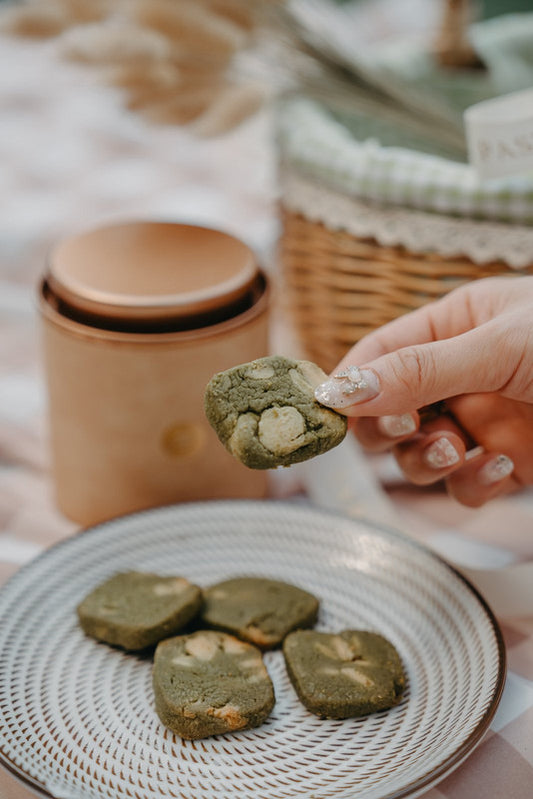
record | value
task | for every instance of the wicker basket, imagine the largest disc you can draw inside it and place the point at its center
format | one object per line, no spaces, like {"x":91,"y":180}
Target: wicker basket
{"x":380,"y":211}
{"x":370,"y":232}
{"x":339,"y":287}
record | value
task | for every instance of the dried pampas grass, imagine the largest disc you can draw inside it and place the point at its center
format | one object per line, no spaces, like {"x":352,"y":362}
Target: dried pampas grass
{"x":181,"y":107}
{"x":150,"y":78}
{"x":242,"y":14}
{"x":40,"y":20}
{"x":101,"y":44}
{"x":229,"y":108}
{"x":173,"y":60}
{"x":207,"y":35}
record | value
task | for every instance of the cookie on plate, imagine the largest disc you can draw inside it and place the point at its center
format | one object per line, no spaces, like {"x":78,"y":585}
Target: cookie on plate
{"x":258,"y":610}
{"x":266,"y":415}
{"x":136,"y":610}
{"x":209,"y":683}
{"x":345,"y":674}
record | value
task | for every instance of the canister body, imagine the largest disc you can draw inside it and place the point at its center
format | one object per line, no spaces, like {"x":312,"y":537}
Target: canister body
{"x":127,"y":422}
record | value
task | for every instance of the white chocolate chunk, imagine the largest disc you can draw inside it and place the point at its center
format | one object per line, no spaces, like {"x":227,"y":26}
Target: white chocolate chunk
{"x":355,"y":643}
{"x":170,"y":587}
{"x":343,"y":648}
{"x":256,"y":372}
{"x":244,"y":431}
{"x":348,"y":671}
{"x":257,"y":635}
{"x":203,"y":647}
{"x":218,"y":593}
{"x":234,"y":647}
{"x":301,"y":383}
{"x":357,"y":676}
{"x":326,"y":650}
{"x":251,"y":662}
{"x":191,"y":710}
{"x":183,"y":660}
{"x":338,"y":650}
{"x":282,"y":430}
{"x":329,"y":670}
{"x":230,"y":714}
{"x":312,"y":373}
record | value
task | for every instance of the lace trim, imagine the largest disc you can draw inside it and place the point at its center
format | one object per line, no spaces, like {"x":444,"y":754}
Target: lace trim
{"x":417,"y":231}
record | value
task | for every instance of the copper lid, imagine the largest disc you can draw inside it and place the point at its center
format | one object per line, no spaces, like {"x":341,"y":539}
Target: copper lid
{"x":151,"y":271}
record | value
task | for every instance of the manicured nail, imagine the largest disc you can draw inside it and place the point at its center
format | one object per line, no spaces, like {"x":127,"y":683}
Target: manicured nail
{"x":440,"y":454}
{"x":349,"y":387}
{"x":495,"y":470}
{"x":396,"y":426}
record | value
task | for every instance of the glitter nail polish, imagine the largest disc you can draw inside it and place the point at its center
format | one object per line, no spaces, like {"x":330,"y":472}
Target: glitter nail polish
{"x":396,"y":426}
{"x":440,"y":454}
{"x":495,"y":470}
{"x":348,"y":387}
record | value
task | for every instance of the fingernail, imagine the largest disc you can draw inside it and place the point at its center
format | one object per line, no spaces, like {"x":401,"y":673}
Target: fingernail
{"x":396,"y":426}
{"x":440,"y":454}
{"x":349,"y":387}
{"x":495,"y":470}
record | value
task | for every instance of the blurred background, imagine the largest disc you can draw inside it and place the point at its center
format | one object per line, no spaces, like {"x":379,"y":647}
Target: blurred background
{"x":264,"y":120}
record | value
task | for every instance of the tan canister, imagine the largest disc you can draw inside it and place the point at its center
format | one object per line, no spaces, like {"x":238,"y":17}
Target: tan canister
{"x":136,"y":318}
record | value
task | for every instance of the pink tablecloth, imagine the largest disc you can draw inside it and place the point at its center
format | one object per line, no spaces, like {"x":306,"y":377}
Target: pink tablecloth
{"x":70,"y":159}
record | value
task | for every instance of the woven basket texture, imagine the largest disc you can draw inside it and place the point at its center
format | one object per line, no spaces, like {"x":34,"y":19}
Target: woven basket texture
{"x":337,"y":287}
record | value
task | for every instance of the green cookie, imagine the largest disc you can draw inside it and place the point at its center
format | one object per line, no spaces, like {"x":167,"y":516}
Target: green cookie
{"x":341,"y":675}
{"x":135,"y":610}
{"x":266,"y":415}
{"x":209,"y":683}
{"x":258,"y":610}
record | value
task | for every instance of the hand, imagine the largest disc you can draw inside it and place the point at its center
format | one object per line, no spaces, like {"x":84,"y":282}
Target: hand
{"x":473,"y":349}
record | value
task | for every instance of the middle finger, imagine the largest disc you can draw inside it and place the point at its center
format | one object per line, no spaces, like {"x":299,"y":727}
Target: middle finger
{"x":437,"y":450}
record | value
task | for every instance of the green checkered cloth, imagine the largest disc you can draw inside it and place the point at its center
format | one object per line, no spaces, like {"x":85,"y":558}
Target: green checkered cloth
{"x":397,"y":137}
{"x":316,"y":145}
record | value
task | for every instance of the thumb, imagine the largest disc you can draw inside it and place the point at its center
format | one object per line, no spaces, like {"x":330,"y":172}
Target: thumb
{"x":419,"y":375}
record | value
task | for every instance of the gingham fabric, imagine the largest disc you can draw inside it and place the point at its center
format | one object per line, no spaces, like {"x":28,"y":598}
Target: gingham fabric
{"x":313,"y":143}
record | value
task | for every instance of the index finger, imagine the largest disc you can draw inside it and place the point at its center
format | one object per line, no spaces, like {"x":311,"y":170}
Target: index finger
{"x":435,"y":321}
{"x":413,"y":328}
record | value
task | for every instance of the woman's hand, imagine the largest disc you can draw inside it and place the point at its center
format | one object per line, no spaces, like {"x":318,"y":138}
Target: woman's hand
{"x":473,"y":349}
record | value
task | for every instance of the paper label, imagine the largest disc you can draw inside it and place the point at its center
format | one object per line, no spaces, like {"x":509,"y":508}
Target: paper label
{"x":499,"y":135}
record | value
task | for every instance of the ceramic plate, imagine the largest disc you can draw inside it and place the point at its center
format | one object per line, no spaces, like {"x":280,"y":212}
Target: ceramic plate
{"x":77,"y":717}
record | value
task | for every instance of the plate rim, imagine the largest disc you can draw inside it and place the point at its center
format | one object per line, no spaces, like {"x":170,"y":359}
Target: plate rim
{"x":412,"y":789}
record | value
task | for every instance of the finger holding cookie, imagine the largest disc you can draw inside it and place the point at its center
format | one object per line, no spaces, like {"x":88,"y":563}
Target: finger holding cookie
{"x":471,"y":350}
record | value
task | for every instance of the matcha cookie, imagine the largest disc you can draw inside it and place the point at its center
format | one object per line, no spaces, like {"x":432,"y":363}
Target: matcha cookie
{"x":341,"y":675}
{"x":209,"y":683}
{"x":258,"y":610}
{"x":135,"y":610}
{"x":266,"y":415}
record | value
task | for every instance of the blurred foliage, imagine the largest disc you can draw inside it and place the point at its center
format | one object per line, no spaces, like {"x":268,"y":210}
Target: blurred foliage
{"x":173,"y":61}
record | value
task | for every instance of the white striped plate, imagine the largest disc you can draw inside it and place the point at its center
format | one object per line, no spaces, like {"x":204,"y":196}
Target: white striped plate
{"x":77,"y":717}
